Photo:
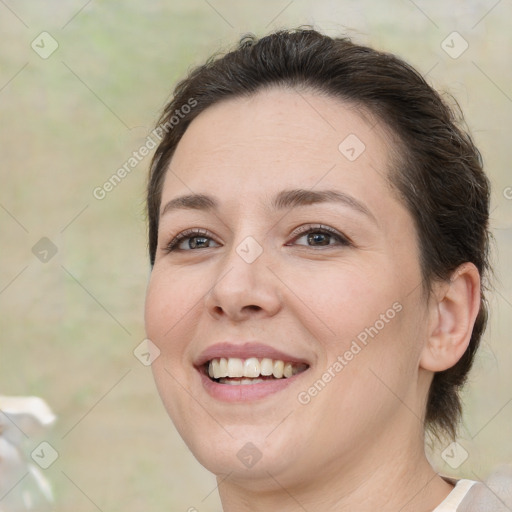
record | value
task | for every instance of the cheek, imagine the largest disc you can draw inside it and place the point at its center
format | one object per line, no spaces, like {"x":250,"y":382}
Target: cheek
{"x":380,"y":371}
{"x":373,"y":332}
{"x":170,"y":301}
{"x":346,"y":299}
{"x":169,"y":307}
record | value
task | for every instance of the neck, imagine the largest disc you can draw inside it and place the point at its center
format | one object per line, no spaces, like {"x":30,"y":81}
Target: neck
{"x":396,"y":477}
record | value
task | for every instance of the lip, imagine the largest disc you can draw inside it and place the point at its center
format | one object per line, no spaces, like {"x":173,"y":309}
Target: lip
{"x":249,"y":392}
{"x":246,"y":350}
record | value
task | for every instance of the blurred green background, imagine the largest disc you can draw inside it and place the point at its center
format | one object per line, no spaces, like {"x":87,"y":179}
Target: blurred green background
{"x":69,"y":121}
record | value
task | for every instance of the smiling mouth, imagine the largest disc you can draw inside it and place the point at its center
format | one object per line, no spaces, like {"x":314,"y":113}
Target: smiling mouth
{"x":235,"y":371}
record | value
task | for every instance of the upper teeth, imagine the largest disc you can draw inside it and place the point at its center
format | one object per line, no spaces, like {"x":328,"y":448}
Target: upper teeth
{"x":252,"y":367}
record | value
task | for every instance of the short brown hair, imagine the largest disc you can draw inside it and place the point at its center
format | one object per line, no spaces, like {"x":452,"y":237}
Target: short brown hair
{"x":439,"y":176}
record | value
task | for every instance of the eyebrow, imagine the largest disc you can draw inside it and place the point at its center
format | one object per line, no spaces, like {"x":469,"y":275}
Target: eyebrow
{"x":284,"y":199}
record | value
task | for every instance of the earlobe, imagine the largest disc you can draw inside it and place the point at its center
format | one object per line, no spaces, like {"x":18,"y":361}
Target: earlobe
{"x":453,"y":311}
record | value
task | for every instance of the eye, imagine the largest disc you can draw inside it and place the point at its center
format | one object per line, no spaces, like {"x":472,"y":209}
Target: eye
{"x":319,"y":236}
{"x":190,"y":239}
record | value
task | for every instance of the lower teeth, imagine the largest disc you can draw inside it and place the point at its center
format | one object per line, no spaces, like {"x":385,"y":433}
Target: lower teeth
{"x":238,"y":382}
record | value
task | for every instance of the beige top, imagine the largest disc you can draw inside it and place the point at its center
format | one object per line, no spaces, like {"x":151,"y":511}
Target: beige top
{"x":454,"y":499}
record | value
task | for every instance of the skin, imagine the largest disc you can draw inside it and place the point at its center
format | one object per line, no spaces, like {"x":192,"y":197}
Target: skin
{"x":359,"y":443}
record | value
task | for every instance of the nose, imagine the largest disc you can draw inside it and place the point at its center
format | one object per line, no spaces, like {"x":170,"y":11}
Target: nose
{"x":245,"y":288}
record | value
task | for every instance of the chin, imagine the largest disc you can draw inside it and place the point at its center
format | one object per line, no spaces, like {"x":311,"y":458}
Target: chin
{"x":251,"y":456}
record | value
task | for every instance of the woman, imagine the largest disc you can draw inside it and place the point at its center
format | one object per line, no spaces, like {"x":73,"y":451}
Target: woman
{"x":318,"y":234}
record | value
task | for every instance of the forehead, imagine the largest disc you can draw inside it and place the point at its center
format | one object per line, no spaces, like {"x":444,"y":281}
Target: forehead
{"x":281,"y":138}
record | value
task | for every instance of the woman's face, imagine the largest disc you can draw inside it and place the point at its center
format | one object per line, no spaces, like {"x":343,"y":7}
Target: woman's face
{"x":303,"y":255}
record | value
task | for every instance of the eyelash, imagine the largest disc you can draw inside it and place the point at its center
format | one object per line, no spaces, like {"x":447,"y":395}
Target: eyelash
{"x":298,"y":233}
{"x":188,"y":233}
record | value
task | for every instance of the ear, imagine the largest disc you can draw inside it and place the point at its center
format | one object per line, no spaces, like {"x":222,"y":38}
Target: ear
{"x":453,"y":309}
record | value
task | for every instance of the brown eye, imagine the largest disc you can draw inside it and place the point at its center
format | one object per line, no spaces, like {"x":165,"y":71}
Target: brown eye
{"x":321,"y":236}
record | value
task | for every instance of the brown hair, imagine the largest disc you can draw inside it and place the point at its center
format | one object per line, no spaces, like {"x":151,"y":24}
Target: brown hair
{"x":439,"y":175}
